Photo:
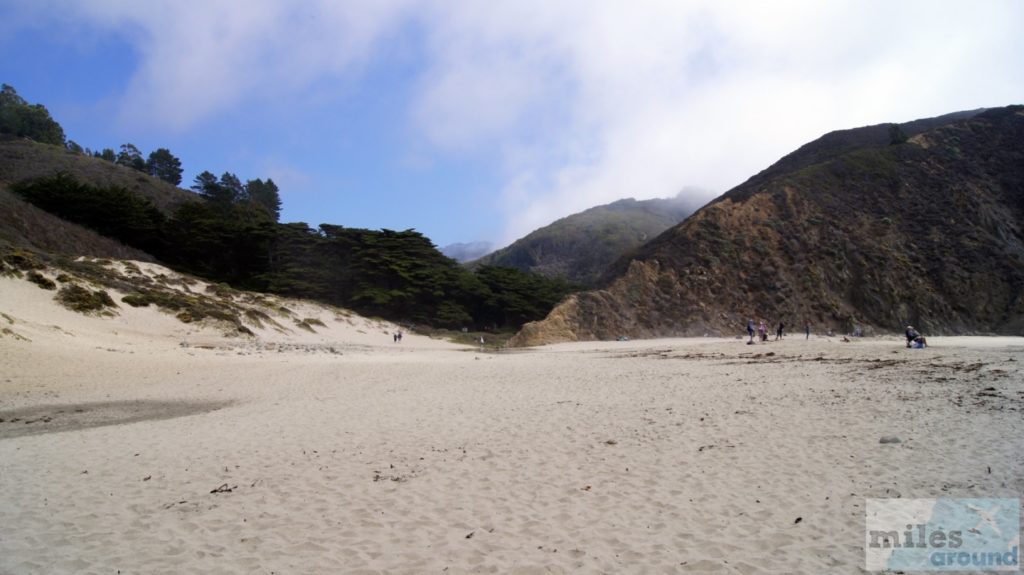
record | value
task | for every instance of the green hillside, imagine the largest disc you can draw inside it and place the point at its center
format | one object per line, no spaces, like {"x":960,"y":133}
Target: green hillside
{"x":582,"y":246}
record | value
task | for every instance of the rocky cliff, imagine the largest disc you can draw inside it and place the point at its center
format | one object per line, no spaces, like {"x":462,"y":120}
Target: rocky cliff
{"x":877,"y":227}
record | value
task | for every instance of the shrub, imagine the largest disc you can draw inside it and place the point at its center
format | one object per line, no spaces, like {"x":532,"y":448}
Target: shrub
{"x":221,"y":290}
{"x":40,"y":280}
{"x":137,"y":300}
{"x":304,"y":324}
{"x":83,"y":300}
{"x":22,"y":260}
{"x":257,"y":317}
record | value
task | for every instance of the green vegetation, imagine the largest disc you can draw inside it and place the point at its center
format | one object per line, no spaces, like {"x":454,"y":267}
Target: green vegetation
{"x":232,"y":236}
{"x":130,"y":157}
{"x":40,"y":280}
{"x":22,"y":260}
{"x":897,"y":135}
{"x":227,"y":193}
{"x":164,"y":165}
{"x":84,"y":300}
{"x":112,"y":211}
{"x":161,"y":163}
{"x":582,"y":247}
{"x":189,"y":308}
{"x":228,"y":232}
{"x":21,"y":119}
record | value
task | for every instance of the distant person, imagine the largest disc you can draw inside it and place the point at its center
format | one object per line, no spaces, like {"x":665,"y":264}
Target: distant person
{"x":750,"y":330}
{"x":911,"y":334}
{"x":778,"y":332}
{"x":920,"y":342}
{"x":807,"y":330}
{"x":762,"y":331}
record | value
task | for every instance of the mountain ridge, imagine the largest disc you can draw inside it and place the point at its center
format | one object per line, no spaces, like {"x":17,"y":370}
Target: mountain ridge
{"x":580,"y":247}
{"x":926,"y":230}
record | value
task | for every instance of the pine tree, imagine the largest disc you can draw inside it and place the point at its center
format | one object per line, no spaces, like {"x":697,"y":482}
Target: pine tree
{"x":164,"y":165}
{"x":266,"y":195}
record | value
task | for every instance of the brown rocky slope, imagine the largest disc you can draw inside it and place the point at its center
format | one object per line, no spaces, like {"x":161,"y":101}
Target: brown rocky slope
{"x":875,"y":227}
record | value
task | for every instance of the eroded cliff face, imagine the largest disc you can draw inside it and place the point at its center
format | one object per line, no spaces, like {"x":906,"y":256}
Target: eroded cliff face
{"x":926,"y":232}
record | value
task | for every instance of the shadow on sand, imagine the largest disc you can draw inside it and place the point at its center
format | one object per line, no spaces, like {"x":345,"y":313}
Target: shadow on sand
{"x":75,"y":416}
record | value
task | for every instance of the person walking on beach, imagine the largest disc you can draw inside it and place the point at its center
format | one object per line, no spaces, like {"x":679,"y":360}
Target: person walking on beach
{"x":807,"y":330}
{"x":762,"y":331}
{"x":778,"y":332}
{"x":750,"y":329}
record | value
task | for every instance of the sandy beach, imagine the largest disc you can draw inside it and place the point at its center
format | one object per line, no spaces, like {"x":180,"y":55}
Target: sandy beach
{"x":138,"y":444}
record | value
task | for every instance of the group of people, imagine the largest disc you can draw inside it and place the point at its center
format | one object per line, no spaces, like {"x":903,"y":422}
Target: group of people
{"x":397,"y":336}
{"x":762,"y":330}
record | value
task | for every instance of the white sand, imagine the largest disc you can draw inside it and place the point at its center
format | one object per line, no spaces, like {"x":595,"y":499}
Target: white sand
{"x":627,"y":457}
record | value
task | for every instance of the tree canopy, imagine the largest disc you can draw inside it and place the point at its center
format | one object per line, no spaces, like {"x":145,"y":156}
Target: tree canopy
{"x":131,"y":157}
{"x":231,"y":235}
{"x":265,"y":194}
{"x":164,"y":165}
{"x":24,"y":120}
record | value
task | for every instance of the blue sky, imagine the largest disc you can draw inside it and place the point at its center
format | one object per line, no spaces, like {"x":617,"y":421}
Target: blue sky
{"x":476,"y":120}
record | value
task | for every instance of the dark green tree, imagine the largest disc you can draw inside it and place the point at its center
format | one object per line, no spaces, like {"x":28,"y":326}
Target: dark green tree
{"x":234,"y":187}
{"x":112,"y":211}
{"x":131,"y":157}
{"x":265,"y":194}
{"x":221,"y":194}
{"x":515,"y":297}
{"x":74,"y":148}
{"x":219,"y":245}
{"x":164,"y":165}
{"x":25,"y":120}
{"x":204,"y":182}
{"x":896,"y":135}
{"x":207,"y":186}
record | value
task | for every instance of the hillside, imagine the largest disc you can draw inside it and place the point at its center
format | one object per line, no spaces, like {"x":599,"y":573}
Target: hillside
{"x":467,"y":251}
{"x":26,"y":226}
{"x":857,"y":228}
{"x":580,"y":247}
{"x":22,"y":160}
{"x":74,"y":205}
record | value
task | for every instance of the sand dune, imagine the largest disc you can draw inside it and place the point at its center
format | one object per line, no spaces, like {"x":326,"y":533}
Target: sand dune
{"x":275,"y":454}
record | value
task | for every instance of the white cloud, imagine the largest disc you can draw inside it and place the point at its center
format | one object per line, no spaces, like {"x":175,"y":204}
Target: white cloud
{"x":660,"y":95}
{"x":199,"y":58}
{"x":584,"y":102}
